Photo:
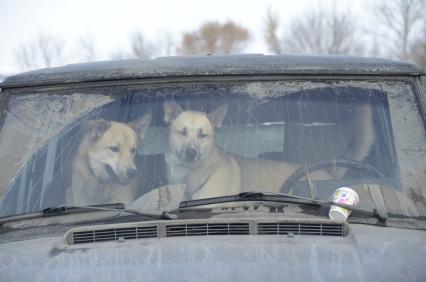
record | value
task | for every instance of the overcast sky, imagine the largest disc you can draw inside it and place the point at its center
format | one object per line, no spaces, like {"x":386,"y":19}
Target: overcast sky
{"x":110,"y":23}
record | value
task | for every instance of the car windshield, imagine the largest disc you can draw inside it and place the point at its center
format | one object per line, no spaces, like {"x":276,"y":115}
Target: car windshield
{"x":152,"y":146}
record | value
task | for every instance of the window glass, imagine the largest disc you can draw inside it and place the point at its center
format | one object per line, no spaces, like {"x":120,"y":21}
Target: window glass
{"x":150,"y":144}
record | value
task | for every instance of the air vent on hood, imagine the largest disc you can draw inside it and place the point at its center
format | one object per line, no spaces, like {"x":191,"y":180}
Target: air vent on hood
{"x":208,"y":229}
{"x":114,"y":234}
{"x":121,"y":232}
{"x":321,"y":229}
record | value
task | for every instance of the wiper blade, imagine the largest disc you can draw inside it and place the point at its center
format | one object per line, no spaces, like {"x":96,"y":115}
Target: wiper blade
{"x":280,"y":198}
{"x":250,"y":197}
{"x":73,"y":209}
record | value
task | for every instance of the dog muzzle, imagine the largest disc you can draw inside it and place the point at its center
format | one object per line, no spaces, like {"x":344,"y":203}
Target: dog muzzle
{"x":191,"y":155}
{"x":131,"y":173}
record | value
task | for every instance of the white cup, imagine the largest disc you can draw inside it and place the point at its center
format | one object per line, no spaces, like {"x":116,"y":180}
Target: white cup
{"x":343,"y":195}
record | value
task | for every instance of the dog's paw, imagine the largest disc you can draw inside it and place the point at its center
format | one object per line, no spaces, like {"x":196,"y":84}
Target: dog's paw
{"x":164,"y":198}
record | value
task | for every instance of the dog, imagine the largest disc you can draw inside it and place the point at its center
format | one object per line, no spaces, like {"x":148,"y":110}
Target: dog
{"x":193,"y":159}
{"x":103,"y":168}
{"x":196,"y":167}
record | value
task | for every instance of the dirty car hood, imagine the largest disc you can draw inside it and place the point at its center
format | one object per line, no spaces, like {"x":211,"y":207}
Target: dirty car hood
{"x":368,"y":253}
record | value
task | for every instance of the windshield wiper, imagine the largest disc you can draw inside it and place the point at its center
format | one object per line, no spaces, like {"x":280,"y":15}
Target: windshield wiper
{"x":281,"y":198}
{"x":72,"y":209}
{"x":117,"y":207}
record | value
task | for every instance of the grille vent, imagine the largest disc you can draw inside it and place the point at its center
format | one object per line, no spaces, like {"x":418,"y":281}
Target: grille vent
{"x":208,"y":229}
{"x":163,"y":229}
{"x":320,"y":229}
{"x":114,"y":234}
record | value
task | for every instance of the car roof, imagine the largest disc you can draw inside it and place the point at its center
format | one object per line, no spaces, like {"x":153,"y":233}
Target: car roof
{"x":213,"y":65}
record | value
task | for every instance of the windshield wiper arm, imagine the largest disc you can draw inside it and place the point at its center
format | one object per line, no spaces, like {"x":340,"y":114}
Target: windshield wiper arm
{"x":281,"y":198}
{"x":116,"y":207}
{"x":66,"y":209}
{"x":72,"y":209}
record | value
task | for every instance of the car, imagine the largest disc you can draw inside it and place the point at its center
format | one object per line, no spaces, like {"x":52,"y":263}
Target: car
{"x":216,"y":167}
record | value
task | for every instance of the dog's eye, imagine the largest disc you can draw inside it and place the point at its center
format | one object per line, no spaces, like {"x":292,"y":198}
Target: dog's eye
{"x":133,"y":150}
{"x":202,"y":135}
{"x":182,"y":132}
{"x":115,"y":149}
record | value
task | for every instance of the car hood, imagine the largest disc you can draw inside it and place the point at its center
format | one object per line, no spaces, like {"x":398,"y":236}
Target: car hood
{"x":368,"y":253}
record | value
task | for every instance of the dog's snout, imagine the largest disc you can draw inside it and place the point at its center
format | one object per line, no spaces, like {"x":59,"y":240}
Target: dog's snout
{"x":191,"y":154}
{"x":131,"y":173}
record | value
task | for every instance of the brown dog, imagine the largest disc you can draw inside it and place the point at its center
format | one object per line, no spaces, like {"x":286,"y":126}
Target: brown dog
{"x":196,"y":168}
{"x":103,"y":169}
{"x":193,"y":158}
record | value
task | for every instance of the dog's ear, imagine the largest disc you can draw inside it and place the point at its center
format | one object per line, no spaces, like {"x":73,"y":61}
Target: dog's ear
{"x":141,"y":124}
{"x":171,"y":111}
{"x":217,"y":116}
{"x":96,"y":128}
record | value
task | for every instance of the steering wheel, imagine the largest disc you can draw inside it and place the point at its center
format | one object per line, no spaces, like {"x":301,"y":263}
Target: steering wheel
{"x":321,"y":164}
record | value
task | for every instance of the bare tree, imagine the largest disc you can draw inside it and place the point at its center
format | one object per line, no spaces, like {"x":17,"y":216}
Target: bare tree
{"x":121,"y":55}
{"x":418,"y":53}
{"x":166,"y":43}
{"x":190,"y":44}
{"x":325,"y":32}
{"x":418,"y":48}
{"x":270,"y":32}
{"x":86,"y":49}
{"x":144,"y":49}
{"x":209,"y":37}
{"x":214,"y":37}
{"x":141,"y":48}
{"x":233,"y":37}
{"x":43,"y":51}
{"x":400,"y":18}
